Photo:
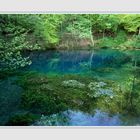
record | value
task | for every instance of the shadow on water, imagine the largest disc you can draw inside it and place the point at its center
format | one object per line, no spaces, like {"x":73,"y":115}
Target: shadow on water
{"x":106,"y":66}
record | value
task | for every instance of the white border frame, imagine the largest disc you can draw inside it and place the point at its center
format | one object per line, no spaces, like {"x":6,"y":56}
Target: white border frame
{"x":85,"y":6}
{"x":69,"y":7}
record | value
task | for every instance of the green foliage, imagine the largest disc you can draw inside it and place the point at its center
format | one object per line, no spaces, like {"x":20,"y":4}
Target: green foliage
{"x":137,"y":41}
{"x":130,"y":22}
{"x":12,"y":41}
{"x":106,"y":23}
{"x":35,"y":32}
{"x":80,"y":26}
{"x":131,"y":43}
{"x":52,"y":24}
{"x":106,"y":42}
{"x":23,"y":32}
{"x":11,"y":58}
{"x":113,"y":42}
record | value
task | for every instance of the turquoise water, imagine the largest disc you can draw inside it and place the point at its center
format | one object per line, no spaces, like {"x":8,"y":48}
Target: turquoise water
{"x":108,"y":64}
{"x":77,"y":61}
{"x":101,"y":64}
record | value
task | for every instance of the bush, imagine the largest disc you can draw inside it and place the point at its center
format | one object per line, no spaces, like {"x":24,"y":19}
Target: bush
{"x":113,"y":42}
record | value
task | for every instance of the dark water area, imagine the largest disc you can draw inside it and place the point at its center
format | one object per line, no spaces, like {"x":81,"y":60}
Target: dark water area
{"x":104,"y":64}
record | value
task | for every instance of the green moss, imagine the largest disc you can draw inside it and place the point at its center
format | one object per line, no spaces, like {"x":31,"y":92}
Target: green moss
{"x":47,"y":95}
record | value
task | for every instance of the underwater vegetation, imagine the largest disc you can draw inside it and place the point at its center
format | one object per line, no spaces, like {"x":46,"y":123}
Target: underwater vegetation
{"x":58,"y":90}
{"x":53,"y":94}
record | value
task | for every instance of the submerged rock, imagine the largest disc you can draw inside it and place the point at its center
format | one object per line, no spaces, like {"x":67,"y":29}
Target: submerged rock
{"x":102,"y":84}
{"x":92,"y":86}
{"x":95,"y":85}
{"x":73,"y":83}
{"x":99,"y":89}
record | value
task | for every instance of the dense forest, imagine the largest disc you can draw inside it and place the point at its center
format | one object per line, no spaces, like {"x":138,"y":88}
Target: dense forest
{"x":42,"y":32}
{"x":53,"y":63}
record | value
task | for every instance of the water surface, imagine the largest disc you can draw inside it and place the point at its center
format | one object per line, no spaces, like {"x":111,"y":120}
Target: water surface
{"x":101,"y":64}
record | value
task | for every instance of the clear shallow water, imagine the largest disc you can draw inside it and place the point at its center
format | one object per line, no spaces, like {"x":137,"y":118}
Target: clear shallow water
{"x":102,"y":64}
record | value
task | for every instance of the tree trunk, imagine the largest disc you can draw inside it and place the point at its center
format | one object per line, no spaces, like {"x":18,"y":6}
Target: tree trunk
{"x":91,"y":36}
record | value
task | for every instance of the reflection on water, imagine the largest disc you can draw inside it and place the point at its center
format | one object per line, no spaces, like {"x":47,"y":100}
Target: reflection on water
{"x":72,"y":61}
{"x":79,"y":118}
{"x":101,"y":64}
{"x":59,"y":61}
{"x":77,"y":61}
{"x":109,"y":64}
